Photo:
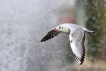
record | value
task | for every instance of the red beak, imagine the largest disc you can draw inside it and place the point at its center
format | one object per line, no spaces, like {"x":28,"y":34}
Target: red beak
{"x":54,"y":29}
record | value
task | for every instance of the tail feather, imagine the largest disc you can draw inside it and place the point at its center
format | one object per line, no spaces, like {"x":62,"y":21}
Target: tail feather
{"x":86,"y":30}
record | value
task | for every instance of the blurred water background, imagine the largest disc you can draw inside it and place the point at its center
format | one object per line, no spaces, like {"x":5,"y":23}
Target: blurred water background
{"x":23,"y":23}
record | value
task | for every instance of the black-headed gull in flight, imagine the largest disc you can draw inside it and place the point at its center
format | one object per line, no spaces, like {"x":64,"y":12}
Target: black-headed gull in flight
{"x":76,"y":37}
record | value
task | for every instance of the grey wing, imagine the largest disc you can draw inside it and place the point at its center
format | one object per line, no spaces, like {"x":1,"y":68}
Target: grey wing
{"x":50,"y":35}
{"x":78,"y":47}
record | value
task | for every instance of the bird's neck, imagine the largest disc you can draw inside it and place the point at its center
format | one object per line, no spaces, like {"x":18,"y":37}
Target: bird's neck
{"x":66,"y":31}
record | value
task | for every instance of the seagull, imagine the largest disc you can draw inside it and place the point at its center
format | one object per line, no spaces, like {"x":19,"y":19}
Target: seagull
{"x":76,"y":37}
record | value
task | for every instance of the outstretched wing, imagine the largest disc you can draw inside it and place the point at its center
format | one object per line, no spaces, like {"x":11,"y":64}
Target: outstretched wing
{"x":50,"y":35}
{"x":77,"y":45}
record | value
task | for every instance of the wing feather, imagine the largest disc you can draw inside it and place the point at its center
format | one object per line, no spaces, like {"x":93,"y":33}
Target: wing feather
{"x":78,"y":47}
{"x":50,"y":35}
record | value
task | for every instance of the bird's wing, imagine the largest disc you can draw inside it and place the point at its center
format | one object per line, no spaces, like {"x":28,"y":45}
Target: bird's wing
{"x":50,"y":35}
{"x":77,"y":40}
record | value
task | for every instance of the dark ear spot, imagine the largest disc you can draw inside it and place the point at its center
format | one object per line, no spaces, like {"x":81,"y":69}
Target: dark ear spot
{"x":59,"y":27}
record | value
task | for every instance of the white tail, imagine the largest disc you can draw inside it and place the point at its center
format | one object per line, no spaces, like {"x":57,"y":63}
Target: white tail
{"x":86,"y":30}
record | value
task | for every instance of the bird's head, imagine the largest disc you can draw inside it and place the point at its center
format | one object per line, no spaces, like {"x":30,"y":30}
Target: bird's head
{"x":62,"y":28}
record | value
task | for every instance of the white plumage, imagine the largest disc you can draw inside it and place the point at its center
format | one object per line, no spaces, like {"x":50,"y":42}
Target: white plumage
{"x":76,"y":37}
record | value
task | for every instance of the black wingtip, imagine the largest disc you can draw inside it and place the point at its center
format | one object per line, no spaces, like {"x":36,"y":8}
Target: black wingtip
{"x":42,"y":40}
{"x":81,"y":63}
{"x":93,"y":32}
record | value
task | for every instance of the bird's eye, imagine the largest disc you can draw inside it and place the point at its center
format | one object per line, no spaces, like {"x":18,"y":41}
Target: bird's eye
{"x":59,"y":27}
{"x":62,"y":27}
